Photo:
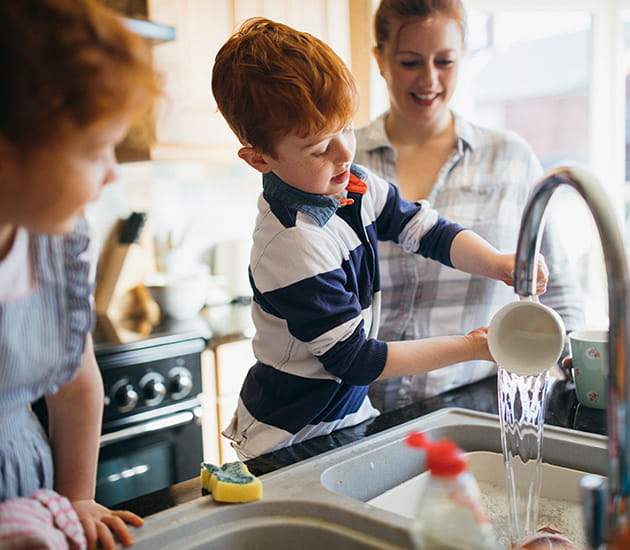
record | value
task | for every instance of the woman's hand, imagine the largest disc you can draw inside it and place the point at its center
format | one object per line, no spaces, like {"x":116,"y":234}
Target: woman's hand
{"x":101,"y":524}
{"x":567,"y":368}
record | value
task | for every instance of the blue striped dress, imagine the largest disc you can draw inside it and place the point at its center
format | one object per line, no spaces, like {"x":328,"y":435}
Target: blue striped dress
{"x":42,"y":339}
{"x":315,"y":278}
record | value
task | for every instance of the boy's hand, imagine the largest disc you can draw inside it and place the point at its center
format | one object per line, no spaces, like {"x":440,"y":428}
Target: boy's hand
{"x":542,"y":275}
{"x":479,"y":342}
{"x":99,"y":524}
{"x":542,"y":272}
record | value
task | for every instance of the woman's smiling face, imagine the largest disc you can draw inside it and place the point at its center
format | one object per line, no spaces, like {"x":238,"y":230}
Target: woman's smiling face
{"x":421,"y":65}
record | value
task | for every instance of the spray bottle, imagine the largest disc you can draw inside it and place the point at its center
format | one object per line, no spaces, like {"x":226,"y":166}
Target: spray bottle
{"x":449,"y":514}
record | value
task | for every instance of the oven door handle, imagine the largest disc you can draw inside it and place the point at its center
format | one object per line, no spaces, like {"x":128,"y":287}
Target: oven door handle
{"x":170,"y":421}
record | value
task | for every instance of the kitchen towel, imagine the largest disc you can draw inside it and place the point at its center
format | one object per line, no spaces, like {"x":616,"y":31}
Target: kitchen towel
{"x":45,"y":520}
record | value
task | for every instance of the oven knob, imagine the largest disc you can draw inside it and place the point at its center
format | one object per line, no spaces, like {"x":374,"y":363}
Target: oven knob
{"x":153,"y":388}
{"x":180,"y":382}
{"x":125,"y":396}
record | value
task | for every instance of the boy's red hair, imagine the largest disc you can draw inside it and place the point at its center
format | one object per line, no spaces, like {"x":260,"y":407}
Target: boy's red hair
{"x":270,"y":80}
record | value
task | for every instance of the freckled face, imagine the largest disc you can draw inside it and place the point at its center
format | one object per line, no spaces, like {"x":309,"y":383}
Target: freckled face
{"x":319,"y":165}
{"x":420,"y":66}
{"x":50,"y":185}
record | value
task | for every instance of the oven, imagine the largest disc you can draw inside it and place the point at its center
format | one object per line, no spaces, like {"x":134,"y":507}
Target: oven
{"x":152,"y":433}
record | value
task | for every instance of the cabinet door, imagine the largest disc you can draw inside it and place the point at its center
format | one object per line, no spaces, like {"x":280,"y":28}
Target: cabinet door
{"x":210,"y":405}
{"x":188,"y":123}
{"x":233,"y":360}
{"x":325,"y":19}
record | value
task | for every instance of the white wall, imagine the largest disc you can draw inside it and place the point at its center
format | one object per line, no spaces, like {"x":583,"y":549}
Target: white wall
{"x":206,"y":205}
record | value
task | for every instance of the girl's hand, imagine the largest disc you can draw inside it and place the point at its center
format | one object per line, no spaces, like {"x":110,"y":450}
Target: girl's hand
{"x":100,"y":524}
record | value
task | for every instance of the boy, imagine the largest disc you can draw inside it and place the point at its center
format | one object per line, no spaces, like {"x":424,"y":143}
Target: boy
{"x":313,"y":267}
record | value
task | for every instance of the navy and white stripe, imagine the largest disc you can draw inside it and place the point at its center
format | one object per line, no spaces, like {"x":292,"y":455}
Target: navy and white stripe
{"x":316,"y":286}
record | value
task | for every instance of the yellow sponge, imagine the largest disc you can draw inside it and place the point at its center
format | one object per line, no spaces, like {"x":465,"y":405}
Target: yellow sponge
{"x":231,"y":482}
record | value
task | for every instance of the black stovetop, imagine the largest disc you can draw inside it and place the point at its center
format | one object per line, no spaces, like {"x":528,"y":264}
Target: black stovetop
{"x":216,"y":324}
{"x":110,"y":337}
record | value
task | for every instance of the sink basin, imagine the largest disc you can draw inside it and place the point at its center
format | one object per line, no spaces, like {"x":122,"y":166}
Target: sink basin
{"x":560,"y":505}
{"x":277,"y":524}
{"x":338,"y":500}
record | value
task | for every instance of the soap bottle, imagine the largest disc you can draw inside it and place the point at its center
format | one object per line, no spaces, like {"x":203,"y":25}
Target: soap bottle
{"x":449,"y":514}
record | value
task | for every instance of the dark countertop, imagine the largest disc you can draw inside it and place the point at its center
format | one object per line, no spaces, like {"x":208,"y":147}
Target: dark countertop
{"x":216,"y":324}
{"x":563,"y":410}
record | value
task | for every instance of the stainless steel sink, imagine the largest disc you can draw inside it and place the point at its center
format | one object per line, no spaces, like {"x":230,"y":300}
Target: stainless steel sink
{"x":322,"y":502}
{"x":270,"y":523}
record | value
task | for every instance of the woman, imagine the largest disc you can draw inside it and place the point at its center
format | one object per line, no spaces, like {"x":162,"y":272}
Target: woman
{"x":73,"y":79}
{"x":478,"y":177}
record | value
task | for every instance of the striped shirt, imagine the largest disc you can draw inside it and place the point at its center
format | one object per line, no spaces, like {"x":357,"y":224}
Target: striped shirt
{"x":42,"y":339}
{"x":316,"y":286}
{"x":484,"y":185}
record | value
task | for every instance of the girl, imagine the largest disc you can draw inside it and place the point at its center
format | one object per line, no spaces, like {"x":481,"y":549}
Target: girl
{"x":72,"y":80}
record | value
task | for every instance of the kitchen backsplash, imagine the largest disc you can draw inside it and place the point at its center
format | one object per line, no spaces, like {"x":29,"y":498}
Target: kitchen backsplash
{"x":206,"y":211}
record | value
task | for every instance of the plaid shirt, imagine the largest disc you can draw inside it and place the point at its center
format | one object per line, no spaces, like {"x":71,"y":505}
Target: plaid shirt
{"x":483,"y":186}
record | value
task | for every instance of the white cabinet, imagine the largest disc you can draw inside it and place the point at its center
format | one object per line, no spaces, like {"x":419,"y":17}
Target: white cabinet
{"x":208,"y":398}
{"x":188,"y":125}
{"x":231,"y":363}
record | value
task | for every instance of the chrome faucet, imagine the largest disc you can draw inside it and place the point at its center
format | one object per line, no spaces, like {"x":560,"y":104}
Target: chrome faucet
{"x":616,"y":511}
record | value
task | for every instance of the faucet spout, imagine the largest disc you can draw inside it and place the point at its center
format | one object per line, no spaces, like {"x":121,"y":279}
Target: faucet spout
{"x":618,"y":419}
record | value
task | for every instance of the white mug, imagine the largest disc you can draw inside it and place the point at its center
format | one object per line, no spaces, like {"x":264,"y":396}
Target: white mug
{"x":526,"y":337}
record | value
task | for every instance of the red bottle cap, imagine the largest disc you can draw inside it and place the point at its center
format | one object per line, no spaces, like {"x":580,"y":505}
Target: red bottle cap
{"x":444,"y":458}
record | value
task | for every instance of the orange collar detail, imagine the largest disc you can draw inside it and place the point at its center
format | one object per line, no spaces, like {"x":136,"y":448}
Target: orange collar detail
{"x":356,"y":185}
{"x":345,"y":202}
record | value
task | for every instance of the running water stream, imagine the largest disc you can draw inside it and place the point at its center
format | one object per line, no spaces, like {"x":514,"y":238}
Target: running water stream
{"x":522,"y":403}
{"x":526,"y":339}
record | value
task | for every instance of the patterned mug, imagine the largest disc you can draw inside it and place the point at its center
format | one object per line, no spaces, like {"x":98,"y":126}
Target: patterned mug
{"x":589,"y":352}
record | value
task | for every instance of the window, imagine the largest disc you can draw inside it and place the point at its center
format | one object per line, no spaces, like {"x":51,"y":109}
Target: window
{"x":530,"y":71}
{"x":556,"y":72}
